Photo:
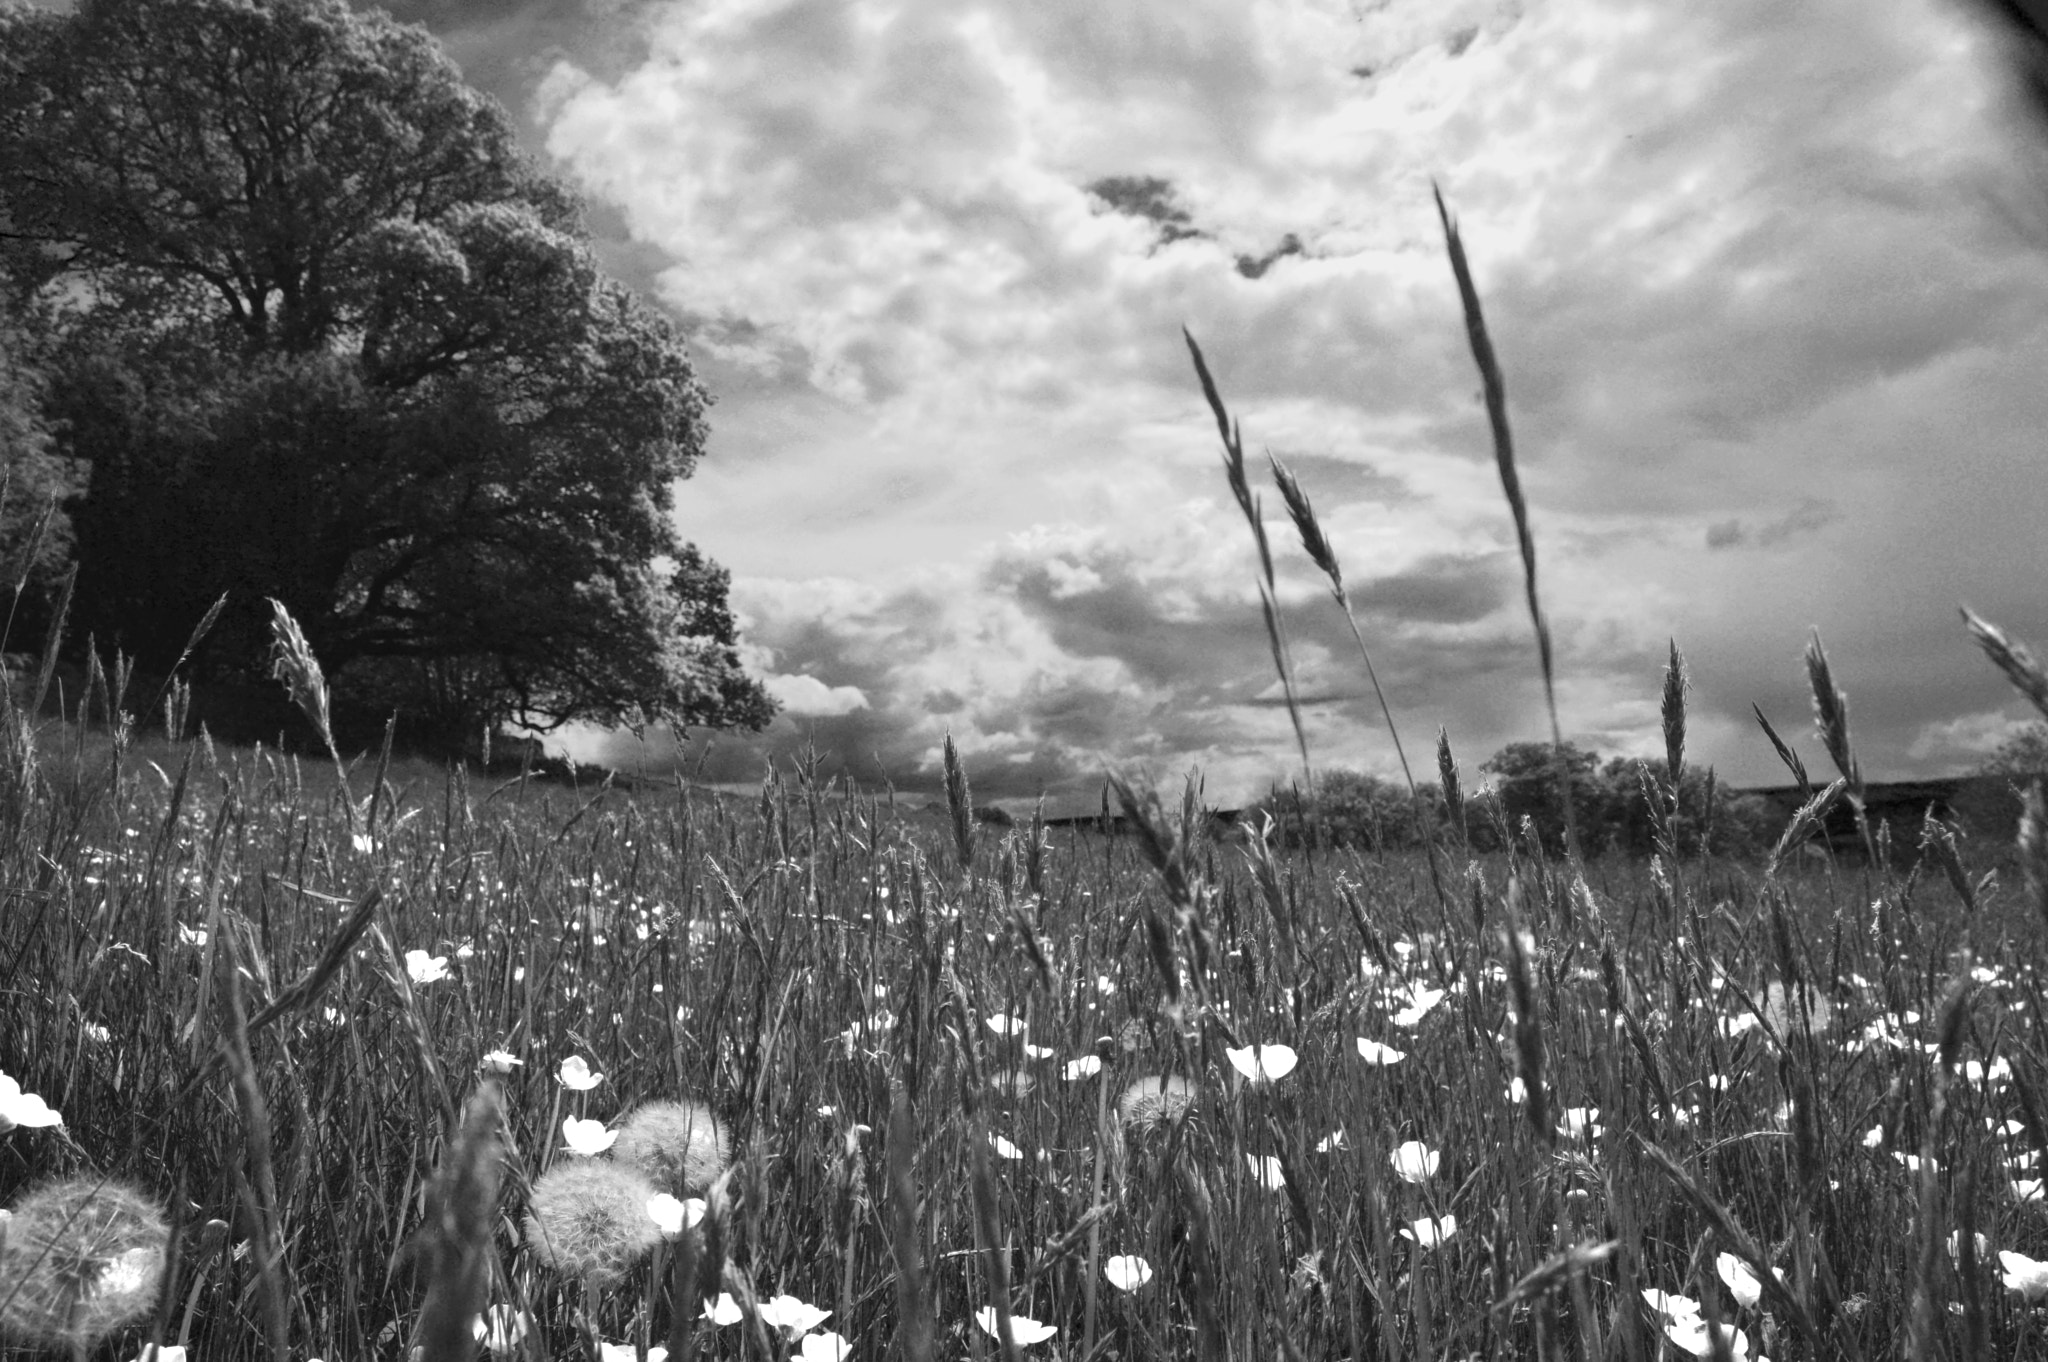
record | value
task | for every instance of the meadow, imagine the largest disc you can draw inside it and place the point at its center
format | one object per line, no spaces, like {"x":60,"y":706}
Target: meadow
{"x":306,"y":1063}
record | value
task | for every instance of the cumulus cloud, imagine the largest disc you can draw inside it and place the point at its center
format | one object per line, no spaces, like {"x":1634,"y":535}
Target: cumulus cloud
{"x":1767,"y":283}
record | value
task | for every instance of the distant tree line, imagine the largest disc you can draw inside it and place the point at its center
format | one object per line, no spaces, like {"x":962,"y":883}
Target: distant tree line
{"x":286,"y":312}
{"x":1610,"y":801}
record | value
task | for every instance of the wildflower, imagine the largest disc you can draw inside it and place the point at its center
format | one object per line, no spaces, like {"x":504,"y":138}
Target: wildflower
{"x":1741,"y":1281}
{"x":2026,"y":1190}
{"x":1690,"y":1334}
{"x":1517,"y":1091}
{"x":575,"y":1074}
{"x":1414,"y":1161}
{"x":680,"y":1145}
{"x":2026,"y":1277}
{"x":1577,"y":1121}
{"x":1428,"y":1233}
{"x":501,"y":1328}
{"x":1039,"y":1051}
{"x":1262,"y":1063}
{"x":671,"y":1216}
{"x":1267,"y":1170}
{"x":1004,"y":1149}
{"x":1873,"y":1137}
{"x":590,"y":1220}
{"x":1127,"y":1271}
{"x":194,"y":937}
{"x":723,"y":1311}
{"x":1376,"y":1053}
{"x":1671,"y":1306}
{"x":18,"y":1108}
{"x":1154,"y":1101}
{"x":1005,"y":1025}
{"x":1333,"y":1140}
{"x":1025,"y":1331}
{"x":170,"y":1352}
{"x":426,"y":969}
{"x":1955,"y":1245}
{"x":793,"y":1315}
{"x":501,"y":1061}
{"x":80,"y":1258}
{"x":588,"y":1138}
{"x":1421,"y":1001}
{"x":825,"y":1346}
{"x":626,"y":1352}
{"x":1087,"y":1066}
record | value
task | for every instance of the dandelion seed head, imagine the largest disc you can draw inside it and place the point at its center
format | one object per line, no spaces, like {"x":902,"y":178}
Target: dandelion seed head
{"x":680,"y":1146}
{"x":589,"y":1220}
{"x":80,"y":1258}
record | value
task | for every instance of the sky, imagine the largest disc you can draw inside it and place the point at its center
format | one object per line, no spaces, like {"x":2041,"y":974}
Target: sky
{"x":1768,"y":282}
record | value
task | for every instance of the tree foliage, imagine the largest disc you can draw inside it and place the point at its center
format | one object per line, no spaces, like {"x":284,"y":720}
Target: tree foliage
{"x":324,"y":333}
{"x":1612,"y":804}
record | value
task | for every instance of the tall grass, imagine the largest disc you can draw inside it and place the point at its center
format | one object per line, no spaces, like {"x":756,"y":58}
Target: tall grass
{"x":958,"y":1081}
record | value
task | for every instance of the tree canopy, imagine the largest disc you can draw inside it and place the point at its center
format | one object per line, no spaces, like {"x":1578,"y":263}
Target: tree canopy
{"x":323,"y":332}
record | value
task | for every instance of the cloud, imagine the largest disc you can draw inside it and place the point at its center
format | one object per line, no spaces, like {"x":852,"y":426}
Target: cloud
{"x":1767,"y":283}
{"x":807,"y":697}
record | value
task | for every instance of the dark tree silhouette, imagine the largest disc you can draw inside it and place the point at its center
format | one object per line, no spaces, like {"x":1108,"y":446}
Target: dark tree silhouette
{"x":323,"y":333}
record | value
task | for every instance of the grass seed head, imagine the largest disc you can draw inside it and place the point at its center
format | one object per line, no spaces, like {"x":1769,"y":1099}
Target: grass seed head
{"x":680,"y":1146}
{"x":81,"y":1258}
{"x":589,"y":1220}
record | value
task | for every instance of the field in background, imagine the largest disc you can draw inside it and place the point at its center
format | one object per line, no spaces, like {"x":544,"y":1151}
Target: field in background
{"x":851,"y":993}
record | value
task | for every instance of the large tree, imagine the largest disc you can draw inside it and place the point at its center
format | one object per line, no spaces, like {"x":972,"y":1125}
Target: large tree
{"x":323,"y":332}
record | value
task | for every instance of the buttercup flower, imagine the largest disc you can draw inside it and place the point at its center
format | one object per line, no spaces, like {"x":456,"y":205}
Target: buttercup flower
{"x":1430,"y":1233}
{"x":671,"y":1216}
{"x":575,"y":1074}
{"x":1267,"y":1170}
{"x":501,"y":1328}
{"x":588,"y":1138}
{"x":1127,"y":1271}
{"x":18,"y":1108}
{"x":1262,"y":1063}
{"x":1087,"y":1066}
{"x":723,"y":1311}
{"x":1414,"y":1161}
{"x":1025,"y":1331}
{"x":824,"y":1346}
{"x":792,"y":1315}
{"x":422,"y":968}
{"x":1376,"y":1053}
{"x":2025,"y":1277}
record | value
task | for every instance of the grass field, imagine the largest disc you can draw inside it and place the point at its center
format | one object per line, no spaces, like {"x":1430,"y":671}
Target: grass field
{"x":348,"y":1067}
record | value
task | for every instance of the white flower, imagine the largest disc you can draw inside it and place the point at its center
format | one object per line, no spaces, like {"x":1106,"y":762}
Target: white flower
{"x":587,"y":1137}
{"x":792,"y":1315}
{"x":1671,"y":1306}
{"x":1577,"y":1121}
{"x":195,"y":937}
{"x":2025,"y":1276}
{"x":723,"y":1311}
{"x":501,"y":1328}
{"x":626,"y":1352}
{"x":18,"y":1108}
{"x":1741,"y":1281}
{"x":424,"y":968}
{"x":170,"y":1352}
{"x":1087,"y":1066}
{"x":575,"y":1074}
{"x":1004,"y":1149}
{"x":1430,"y":1233}
{"x":1414,"y":1161}
{"x":1421,"y":1002}
{"x":820,"y":1347}
{"x":1873,"y":1137}
{"x":1268,"y":1171}
{"x":1690,"y":1334}
{"x":364,"y":843}
{"x":1025,"y":1331}
{"x":1333,"y":1140}
{"x":1517,"y":1091}
{"x":1127,"y":1271}
{"x":1004,"y":1025}
{"x":501,"y":1061}
{"x":2027,"y":1189}
{"x":1376,"y":1053}
{"x":1262,"y":1063}
{"x":1038,"y":1051}
{"x":671,"y":1215}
